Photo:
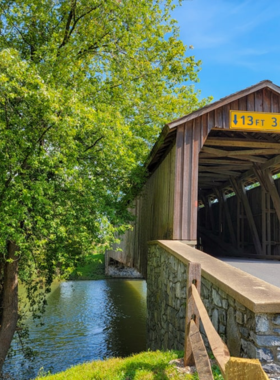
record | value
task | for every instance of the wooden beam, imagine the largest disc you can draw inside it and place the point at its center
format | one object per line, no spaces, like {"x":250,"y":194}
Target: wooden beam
{"x":217,"y":345}
{"x":275,"y":161}
{"x":251,"y":173}
{"x":263,"y":195}
{"x":211,"y":161}
{"x":213,"y":176}
{"x":208,"y":206}
{"x":194,"y":276}
{"x":222,"y":170}
{"x":241,"y":193}
{"x":243,"y":143}
{"x":201,"y":358}
{"x":244,"y":152}
{"x":272,"y":190}
{"x":228,"y":218}
{"x":252,"y":158}
{"x":243,"y":158}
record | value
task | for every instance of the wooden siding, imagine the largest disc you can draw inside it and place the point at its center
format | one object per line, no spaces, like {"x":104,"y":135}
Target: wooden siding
{"x":190,"y":139}
{"x":153,"y":210}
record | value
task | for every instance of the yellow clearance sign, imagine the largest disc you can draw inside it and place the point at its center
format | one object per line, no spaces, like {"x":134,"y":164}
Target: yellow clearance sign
{"x":255,"y":121}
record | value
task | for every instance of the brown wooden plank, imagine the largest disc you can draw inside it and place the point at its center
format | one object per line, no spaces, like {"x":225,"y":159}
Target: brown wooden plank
{"x":204,"y":130}
{"x":275,"y":161}
{"x":251,"y":102}
{"x":214,"y":176}
{"x":211,"y":120}
{"x":188,"y":181}
{"x":219,"y":117}
{"x":242,"y":103}
{"x":232,"y":142}
{"x":194,"y":276}
{"x":266,"y":100}
{"x":274,"y":102}
{"x":178,"y":191}
{"x":201,"y":358}
{"x":259,"y":101}
{"x":214,"y":161}
{"x":229,"y":221}
{"x":272,"y":190}
{"x":251,"y":158}
{"x":263,"y":196}
{"x":238,"y":223}
{"x":219,"y":349}
{"x":226,"y":109}
{"x":240,"y":191}
{"x":221,"y":170}
{"x":268,"y":223}
{"x":241,"y":152}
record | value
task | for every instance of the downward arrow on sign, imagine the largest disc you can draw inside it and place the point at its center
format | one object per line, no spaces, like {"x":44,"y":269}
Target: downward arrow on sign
{"x":235,"y":119}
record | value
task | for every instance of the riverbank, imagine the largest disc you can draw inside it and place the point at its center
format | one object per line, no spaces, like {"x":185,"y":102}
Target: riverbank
{"x":144,"y":366}
{"x":91,"y":268}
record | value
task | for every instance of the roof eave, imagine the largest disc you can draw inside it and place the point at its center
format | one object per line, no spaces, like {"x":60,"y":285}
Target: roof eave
{"x":224,"y":101}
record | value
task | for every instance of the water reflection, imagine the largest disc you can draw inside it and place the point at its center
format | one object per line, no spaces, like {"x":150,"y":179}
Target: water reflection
{"x":86,"y":320}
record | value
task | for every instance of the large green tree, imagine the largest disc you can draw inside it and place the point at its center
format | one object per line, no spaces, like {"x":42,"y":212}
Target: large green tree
{"x":85,"y":87}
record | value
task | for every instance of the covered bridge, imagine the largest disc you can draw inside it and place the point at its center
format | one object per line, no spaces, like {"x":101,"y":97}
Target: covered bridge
{"x":212,"y":181}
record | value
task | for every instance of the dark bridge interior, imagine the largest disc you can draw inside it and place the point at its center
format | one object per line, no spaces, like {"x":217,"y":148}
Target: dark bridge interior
{"x":239,"y":203}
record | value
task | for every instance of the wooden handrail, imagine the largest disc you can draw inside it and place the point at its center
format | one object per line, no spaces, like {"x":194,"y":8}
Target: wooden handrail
{"x":195,"y":351}
{"x":219,"y":349}
{"x":201,"y":358}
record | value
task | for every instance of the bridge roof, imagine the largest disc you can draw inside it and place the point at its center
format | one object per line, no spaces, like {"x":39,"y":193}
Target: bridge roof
{"x":168,"y":133}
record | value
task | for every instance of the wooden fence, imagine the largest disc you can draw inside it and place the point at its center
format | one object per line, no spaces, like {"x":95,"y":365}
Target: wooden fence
{"x":195,"y":351}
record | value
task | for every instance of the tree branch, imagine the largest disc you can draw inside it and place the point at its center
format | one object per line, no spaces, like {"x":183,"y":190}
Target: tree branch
{"x":93,"y":145}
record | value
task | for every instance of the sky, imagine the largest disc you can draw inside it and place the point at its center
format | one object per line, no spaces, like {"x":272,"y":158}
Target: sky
{"x":238,"y":42}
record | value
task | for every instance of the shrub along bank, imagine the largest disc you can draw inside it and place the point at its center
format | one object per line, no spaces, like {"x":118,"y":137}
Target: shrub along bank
{"x":91,"y":268}
{"x":144,"y":366}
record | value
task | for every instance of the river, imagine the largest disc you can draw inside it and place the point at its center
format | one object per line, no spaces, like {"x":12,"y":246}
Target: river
{"x":84,"y":321}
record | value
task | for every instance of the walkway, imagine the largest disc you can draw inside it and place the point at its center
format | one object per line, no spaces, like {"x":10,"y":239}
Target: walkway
{"x":267,"y":270}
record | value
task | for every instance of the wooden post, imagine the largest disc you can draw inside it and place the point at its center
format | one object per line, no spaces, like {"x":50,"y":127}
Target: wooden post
{"x":268,"y":224}
{"x":201,"y":358}
{"x":241,"y":193}
{"x":272,"y":190}
{"x":228,"y":219}
{"x":238,"y":223}
{"x":194,"y":277}
{"x":264,"y":221}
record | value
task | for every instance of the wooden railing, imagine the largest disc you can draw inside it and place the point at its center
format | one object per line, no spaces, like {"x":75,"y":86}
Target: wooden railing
{"x":195,"y":351}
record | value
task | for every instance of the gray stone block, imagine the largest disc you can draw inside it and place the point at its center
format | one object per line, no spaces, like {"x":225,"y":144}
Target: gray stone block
{"x":215,"y":319}
{"x":216,"y":298}
{"x":266,"y":340}
{"x":276,"y":320}
{"x":264,"y":354}
{"x":262,"y":323}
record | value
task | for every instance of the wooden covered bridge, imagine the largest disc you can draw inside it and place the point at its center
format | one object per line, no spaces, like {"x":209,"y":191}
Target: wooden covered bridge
{"x":213,"y":181}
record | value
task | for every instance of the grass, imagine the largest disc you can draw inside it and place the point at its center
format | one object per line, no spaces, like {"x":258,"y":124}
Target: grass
{"x":144,"y":366}
{"x":92,"y":268}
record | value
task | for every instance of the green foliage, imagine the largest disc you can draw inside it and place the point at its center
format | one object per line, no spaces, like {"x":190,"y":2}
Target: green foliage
{"x":92,"y":267}
{"x":85,"y":88}
{"x":144,"y":366}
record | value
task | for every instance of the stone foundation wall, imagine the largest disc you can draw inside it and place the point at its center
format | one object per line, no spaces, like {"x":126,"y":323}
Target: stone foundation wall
{"x":246,"y":333}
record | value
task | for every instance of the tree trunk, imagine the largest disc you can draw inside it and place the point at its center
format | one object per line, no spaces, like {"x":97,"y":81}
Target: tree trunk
{"x":9,"y":302}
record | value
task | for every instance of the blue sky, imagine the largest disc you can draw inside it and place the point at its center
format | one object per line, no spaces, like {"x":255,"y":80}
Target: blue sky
{"x":238,"y":42}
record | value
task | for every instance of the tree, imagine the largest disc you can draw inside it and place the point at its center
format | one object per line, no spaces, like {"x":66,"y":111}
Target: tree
{"x":85,"y":87}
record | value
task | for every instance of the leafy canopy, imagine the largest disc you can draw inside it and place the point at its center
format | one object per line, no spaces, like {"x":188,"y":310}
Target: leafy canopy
{"x":85,"y":88}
